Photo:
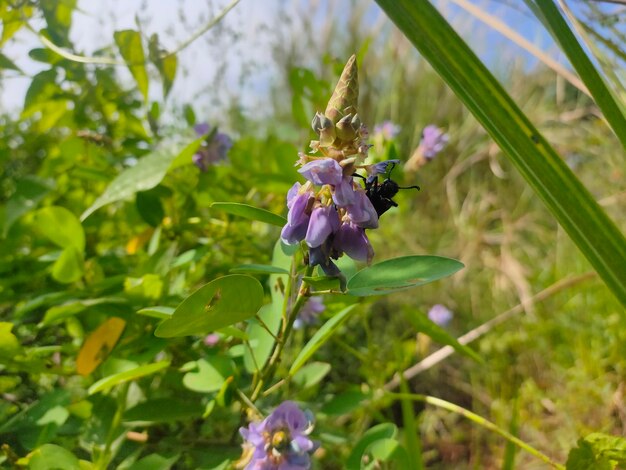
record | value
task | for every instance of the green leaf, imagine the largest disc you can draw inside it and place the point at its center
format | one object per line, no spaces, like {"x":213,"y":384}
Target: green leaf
{"x":257,"y":269}
{"x":564,"y":195}
{"x":164,"y":410}
{"x":424,"y":325}
{"x":222,"y":302}
{"x":344,"y":403}
{"x":165,"y":63}
{"x":61,"y":312}
{"x":61,"y":227}
{"x":604,"y":97}
{"x":320,"y":337}
{"x":157,"y":312}
{"x":7,"y":64}
{"x":389,"y":450}
{"x":28,"y":192}
{"x":376,"y":433}
{"x":311,"y":374}
{"x":397,"y":274}
{"x":131,"y":49}
{"x":411,"y":431}
{"x":146,"y":174}
{"x":150,"y":207}
{"x":9,"y":344}
{"x":52,"y":457}
{"x":68,"y":267}
{"x":598,"y":451}
{"x":249,"y":212}
{"x":210,"y":375}
{"x":155,"y":462}
{"x":126,"y":376}
{"x":58,"y":14}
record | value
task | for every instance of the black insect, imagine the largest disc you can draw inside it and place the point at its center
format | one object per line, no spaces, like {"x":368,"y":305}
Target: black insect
{"x":381,"y":195}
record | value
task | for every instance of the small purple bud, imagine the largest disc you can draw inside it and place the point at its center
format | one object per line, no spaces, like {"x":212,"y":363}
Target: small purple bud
{"x":211,"y":339}
{"x":352,"y":240}
{"x":388,"y":130}
{"x":202,"y":128}
{"x":440,"y":315}
{"x":324,"y":171}
{"x":324,"y":221}
{"x":308,"y":314}
{"x":433,"y":141}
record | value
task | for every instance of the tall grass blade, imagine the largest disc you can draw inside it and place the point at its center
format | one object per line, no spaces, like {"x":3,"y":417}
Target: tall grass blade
{"x":604,"y":97}
{"x":569,"y":201}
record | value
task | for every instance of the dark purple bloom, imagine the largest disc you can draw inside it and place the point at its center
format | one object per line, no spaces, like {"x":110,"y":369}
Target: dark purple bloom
{"x":324,"y":222}
{"x":212,"y":151}
{"x":362,"y":212}
{"x":299,"y":204}
{"x":440,"y":315}
{"x":387,"y":129}
{"x":320,"y":256}
{"x":352,"y":240}
{"x":281,"y":441}
{"x":433,"y":141}
{"x":322,"y":171}
{"x":309,"y":312}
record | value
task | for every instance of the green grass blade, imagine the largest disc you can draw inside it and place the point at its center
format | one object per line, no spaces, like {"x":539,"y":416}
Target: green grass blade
{"x":569,"y":201}
{"x":602,"y":94}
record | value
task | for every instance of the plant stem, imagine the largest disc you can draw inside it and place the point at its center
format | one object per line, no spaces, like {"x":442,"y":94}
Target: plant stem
{"x":446,"y":405}
{"x":105,"y":458}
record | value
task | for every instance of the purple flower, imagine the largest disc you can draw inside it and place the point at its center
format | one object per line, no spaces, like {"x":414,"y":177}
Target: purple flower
{"x":324,"y":222}
{"x":309,"y":312}
{"x":387,"y":129}
{"x":322,"y":171}
{"x":440,"y":315}
{"x":299,"y":204}
{"x":352,"y":240}
{"x":321,"y":256}
{"x":344,"y":192}
{"x":433,"y":141}
{"x":362,"y":212}
{"x":280,"y":442}
{"x":212,"y":151}
{"x":380,"y":168}
{"x":211,"y":339}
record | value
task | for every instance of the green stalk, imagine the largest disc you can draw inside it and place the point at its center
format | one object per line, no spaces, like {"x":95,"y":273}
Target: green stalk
{"x":565,"y":196}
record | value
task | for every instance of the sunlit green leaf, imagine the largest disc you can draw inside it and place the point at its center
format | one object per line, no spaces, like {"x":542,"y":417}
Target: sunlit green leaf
{"x":209,"y":375}
{"x":131,"y":49}
{"x":9,"y":344}
{"x":146,"y":174}
{"x":69,"y":266}
{"x":397,"y":274}
{"x":126,"y":376}
{"x":7,"y":64}
{"x":164,"y":410}
{"x":154,"y":462}
{"x":28,"y":192}
{"x":157,"y":312}
{"x":52,"y":457}
{"x":249,"y":212}
{"x":311,"y":374}
{"x":222,"y":302}
{"x":61,"y":226}
{"x":257,"y":269}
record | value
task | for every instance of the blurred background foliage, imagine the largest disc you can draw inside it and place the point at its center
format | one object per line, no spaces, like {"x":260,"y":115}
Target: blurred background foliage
{"x":551,"y":373}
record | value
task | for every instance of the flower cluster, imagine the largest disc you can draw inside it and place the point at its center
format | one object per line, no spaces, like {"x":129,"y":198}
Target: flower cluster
{"x":280,"y":441}
{"x":213,"y":150}
{"x":331,"y":210}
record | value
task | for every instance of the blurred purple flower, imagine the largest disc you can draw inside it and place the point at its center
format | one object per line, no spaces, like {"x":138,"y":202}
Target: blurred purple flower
{"x":387,"y":129}
{"x":212,"y":151}
{"x":322,"y":171}
{"x":211,"y":339}
{"x":309,"y":312}
{"x":440,"y":315}
{"x":280,"y":442}
{"x":433,"y":141}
